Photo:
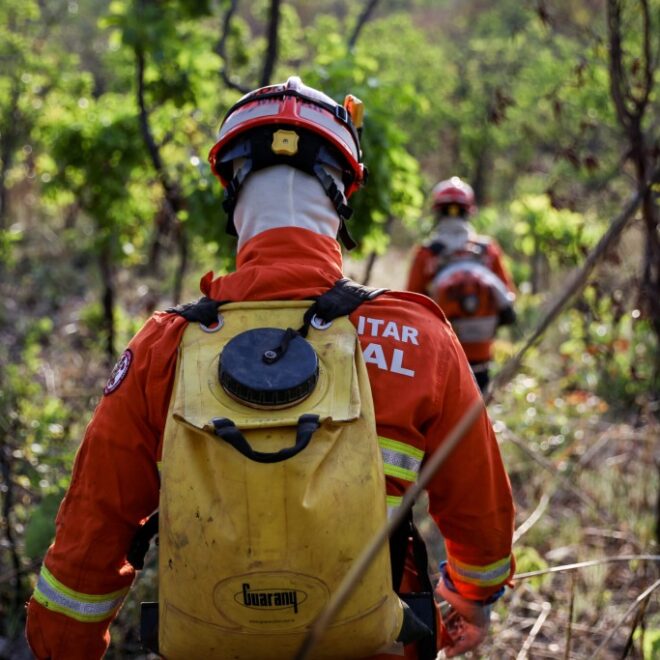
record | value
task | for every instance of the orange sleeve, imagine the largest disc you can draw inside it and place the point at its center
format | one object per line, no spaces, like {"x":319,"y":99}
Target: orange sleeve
{"x":419,"y":275}
{"x":114,"y":486}
{"x":470,"y":496}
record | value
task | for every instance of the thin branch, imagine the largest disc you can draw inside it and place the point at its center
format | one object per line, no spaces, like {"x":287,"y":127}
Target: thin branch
{"x":639,"y":618}
{"x":533,"y":519}
{"x":173,"y":201}
{"x":536,"y":629}
{"x":221,"y":50}
{"x":7,"y":508}
{"x":270,"y":59}
{"x":147,"y":134}
{"x":648,"y":66}
{"x":109,"y":296}
{"x":656,"y":58}
{"x":373,"y":256}
{"x":639,"y":601}
{"x":585,"y":564}
{"x":361,"y":22}
{"x":23,"y":570}
{"x":183,"y":265}
{"x":8,"y":139}
{"x":571,"y":609}
{"x":617,"y":76}
{"x":609,"y":534}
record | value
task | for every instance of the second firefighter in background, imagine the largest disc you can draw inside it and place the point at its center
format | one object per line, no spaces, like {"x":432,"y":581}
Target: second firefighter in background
{"x":464,"y":273}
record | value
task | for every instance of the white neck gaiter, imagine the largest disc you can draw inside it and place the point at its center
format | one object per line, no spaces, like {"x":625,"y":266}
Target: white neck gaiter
{"x":282,"y":196}
{"x":452,"y":232}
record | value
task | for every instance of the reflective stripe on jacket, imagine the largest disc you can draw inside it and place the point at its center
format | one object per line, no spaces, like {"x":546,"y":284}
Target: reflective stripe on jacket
{"x":402,"y":461}
{"x":88,"y":608}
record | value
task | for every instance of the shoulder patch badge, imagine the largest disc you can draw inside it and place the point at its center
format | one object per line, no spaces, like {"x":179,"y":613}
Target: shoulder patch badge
{"x":119,"y":372}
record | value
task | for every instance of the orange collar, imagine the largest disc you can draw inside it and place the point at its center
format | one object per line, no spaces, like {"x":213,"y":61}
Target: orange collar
{"x":286,"y":263}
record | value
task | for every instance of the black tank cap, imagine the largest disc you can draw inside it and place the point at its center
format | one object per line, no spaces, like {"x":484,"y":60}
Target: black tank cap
{"x":245,"y":376}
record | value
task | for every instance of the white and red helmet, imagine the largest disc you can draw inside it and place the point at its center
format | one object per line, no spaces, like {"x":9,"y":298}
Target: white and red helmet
{"x":291,"y":124}
{"x":453,"y":191}
{"x":294,"y":104}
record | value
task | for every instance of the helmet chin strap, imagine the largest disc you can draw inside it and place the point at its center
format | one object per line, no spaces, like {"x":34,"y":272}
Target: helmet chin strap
{"x":338,"y":199}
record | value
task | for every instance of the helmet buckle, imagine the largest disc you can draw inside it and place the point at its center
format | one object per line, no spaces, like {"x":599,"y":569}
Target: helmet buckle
{"x":341,"y":113}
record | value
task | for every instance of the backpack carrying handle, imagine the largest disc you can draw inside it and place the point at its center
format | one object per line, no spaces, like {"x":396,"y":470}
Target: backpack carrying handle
{"x":226,"y":429}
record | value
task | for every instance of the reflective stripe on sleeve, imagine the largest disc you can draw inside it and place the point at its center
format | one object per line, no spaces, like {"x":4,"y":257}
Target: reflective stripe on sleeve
{"x":482,"y":576}
{"x":480,"y":328}
{"x":400,"y":460}
{"x":393,"y":503}
{"x":88,"y":608}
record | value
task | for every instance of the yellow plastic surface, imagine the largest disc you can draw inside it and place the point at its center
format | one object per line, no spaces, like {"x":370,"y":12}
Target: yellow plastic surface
{"x":285,"y":143}
{"x":249,"y":552}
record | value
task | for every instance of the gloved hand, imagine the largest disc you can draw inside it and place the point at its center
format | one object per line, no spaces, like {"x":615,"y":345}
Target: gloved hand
{"x":467,"y":623}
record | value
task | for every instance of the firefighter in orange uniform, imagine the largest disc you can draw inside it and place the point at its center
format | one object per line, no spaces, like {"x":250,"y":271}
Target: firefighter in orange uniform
{"x":464,"y":273}
{"x":287,"y":213}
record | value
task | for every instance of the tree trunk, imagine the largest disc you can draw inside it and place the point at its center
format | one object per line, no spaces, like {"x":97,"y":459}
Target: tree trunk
{"x":8,"y":138}
{"x":371,"y":259}
{"x":270,"y":57}
{"x":18,"y":592}
{"x":481,"y":169}
{"x":183,"y":265}
{"x":108,"y":299}
{"x":650,"y":286}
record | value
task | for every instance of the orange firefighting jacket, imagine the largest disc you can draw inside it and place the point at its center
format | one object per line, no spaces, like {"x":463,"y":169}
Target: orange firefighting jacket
{"x":424,"y":268}
{"x":421,"y":385}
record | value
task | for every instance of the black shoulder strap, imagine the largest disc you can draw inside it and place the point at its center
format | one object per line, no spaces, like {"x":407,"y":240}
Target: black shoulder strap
{"x":421,"y":557}
{"x":204,"y":311}
{"x":399,"y":540}
{"x":437,"y":247}
{"x":341,"y":300}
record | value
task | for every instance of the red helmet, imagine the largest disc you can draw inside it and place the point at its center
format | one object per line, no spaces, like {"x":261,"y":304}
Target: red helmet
{"x":453,"y":191}
{"x":291,"y":124}
{"x":293,"y":104}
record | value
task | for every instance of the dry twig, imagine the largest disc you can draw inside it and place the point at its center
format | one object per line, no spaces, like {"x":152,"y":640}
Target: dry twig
{"x":545,"y":611}
{"x":585,"y":564}
{"x":221,"y":50}
{"x":571,"y":608}
{"x":532,"y":519}
{"x":640,"y":600}
{"x":361,"y":22}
